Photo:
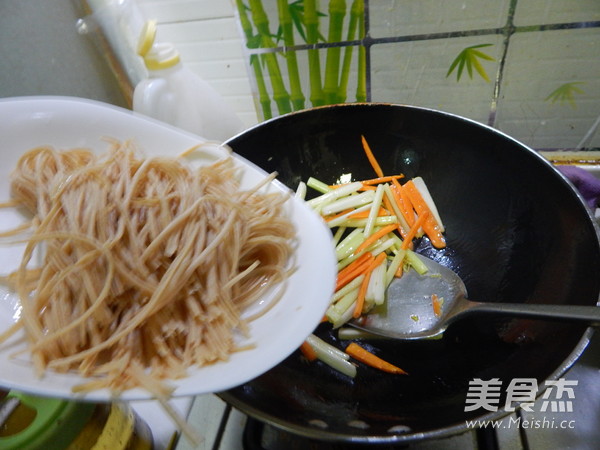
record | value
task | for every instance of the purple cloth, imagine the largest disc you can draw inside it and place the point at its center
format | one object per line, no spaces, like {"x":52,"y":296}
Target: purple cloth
{"x":586,"y":183}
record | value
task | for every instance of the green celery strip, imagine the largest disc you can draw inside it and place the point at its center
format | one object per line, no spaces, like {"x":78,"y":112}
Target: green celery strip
{"x":354,"y":284}
{"x":332,"y":356}
{"x":341,"y":219}
{"x":317,"y":185}
{"x":334,"y":194}
{"x":414,"y":261}
{"x":349,"y":244}
{"x":338,"y":235}
{"x":374,"y":212}
{"x":347,"y":202}
{"x":338,"y":314}
{"x":380,"y":221}
{"x":347,"y":334}
{"x":393,"y":267}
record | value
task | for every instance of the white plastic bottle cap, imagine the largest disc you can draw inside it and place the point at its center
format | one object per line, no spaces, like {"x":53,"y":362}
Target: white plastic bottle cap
{"x":147,"y":37}
{"x":161,"y":56}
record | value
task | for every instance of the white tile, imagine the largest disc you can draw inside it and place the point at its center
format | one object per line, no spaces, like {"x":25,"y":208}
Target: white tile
{"x":167,"y":11}
{"x":402,"y":17}
{"x":415,"y":73}
{"x":536,"y":12}
{"x":538,"y":63}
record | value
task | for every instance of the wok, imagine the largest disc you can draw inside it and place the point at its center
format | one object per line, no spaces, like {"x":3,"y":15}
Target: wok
{"x":516,"y":231}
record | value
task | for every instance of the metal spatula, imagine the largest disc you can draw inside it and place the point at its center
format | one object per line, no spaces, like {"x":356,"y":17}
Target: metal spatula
{"x":409,"y":314}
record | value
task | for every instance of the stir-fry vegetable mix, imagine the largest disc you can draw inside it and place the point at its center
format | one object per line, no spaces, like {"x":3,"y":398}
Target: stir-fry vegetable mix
{"x":374,"y":223}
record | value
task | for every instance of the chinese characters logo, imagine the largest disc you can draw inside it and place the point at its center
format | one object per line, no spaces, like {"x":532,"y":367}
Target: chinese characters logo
{"x":486,"y":394}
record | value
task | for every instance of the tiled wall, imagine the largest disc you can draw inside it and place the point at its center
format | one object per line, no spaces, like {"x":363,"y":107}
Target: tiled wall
{"x":537,"y":46}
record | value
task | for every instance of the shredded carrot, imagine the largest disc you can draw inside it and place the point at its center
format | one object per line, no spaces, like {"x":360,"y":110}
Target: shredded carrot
{"x":353,"y":270}
{"x":335,"y":216}
{"x":357,"y":262}
{"x":436,"y":303}
{"x":380,"y":180}
{"x":399,"y":271}
{"x":365,"y":214}
{"x":365,"y":356}
{"x":371,"y":157}
{"x":373,"y":238}
{"x":414,"y":230}
{"x":403,"y":204}
{"x":430,"y":226}
{"x":308,"y":352}
{"x":360,"y":301}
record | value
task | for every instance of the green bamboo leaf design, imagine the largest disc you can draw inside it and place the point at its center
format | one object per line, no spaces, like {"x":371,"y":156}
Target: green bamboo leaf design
{"x":565,"y":93}
{"x":469,"y":58}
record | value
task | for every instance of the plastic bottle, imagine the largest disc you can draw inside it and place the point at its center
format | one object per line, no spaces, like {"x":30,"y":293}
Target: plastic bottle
{"x":176,"y":95}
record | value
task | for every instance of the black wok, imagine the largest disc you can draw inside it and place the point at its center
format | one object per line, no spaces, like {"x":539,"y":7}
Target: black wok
{"x":516,"y":230}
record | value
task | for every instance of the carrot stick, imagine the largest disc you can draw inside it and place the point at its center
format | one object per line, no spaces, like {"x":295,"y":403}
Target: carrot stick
{"x":365,"y":214}
{"x":365,"y":356}
{"x":379,"y":180}
{"x":357,"y":262}
{"x":360,"y":301}
{"x":308,"y":352}
{"x":430,"y":226}
{"x":403,"y":203}
{"x":371,"y":157}
{"x":414,"y":230}
{"x":378,"y":234}
{"x":340,"y":214}
{"x":436,"y":303}
{"x":354,"y":269}
{"x":399,"y":271}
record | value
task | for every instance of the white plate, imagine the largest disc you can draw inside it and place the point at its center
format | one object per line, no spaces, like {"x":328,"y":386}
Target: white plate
{"x":64,"y":122}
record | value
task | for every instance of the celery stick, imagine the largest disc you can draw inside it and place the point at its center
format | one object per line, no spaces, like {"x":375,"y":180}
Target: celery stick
{"x":383,"y":246}
{"x":346,"y":202}
{"x":332,"y":356}
{"x":334,"y":194}
{"x":301,"y":190}
{"x":348,"y":238}
{"x":376,"y":287}
{"x":374,"y":212}
{"x":349,"y":259}
{"x":341,"y":219}
{"x":347,"y":333}
{"x":317,"y":185}
{"x":393,"y":267}
{"x":346,"y":316}
{"x":347,"y":246}
{"x":338,"y":235}
{"x":354,"y":284}
{"x":380,"y":221}
{"x":415,"y":262}
{"x":342,"y":311}
{"x":319,"y":344}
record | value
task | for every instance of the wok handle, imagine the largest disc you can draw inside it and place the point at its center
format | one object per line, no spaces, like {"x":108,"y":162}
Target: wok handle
{"x":589,"y":314}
